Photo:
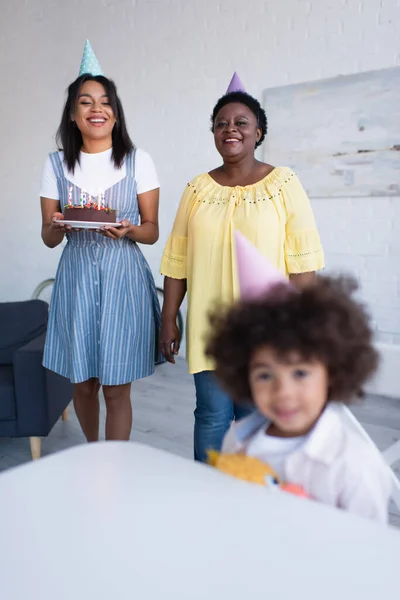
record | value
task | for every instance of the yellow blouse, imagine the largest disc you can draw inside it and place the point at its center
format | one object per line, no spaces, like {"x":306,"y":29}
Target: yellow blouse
{"x":274,"y":214}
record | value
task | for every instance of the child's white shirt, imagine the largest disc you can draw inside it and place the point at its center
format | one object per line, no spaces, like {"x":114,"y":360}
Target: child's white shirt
{"x":333,"y":464}
{"x":275,"y":448}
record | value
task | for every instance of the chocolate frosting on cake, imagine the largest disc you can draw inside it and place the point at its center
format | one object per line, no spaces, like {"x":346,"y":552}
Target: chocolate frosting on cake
{"x":90,"y":213}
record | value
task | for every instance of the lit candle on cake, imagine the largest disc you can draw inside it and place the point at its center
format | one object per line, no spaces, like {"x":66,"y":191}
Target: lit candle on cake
{"x":83,"y":198}
{"x":70,"y":196}
{"x":99,"y":198}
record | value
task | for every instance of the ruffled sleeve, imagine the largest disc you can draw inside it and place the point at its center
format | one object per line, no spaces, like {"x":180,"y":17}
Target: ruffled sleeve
{"x":303,"y":249}
{"x":174,"y":259}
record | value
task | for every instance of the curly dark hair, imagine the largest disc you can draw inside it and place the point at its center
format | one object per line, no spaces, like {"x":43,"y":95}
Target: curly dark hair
{"x":251,"y":103}
{"x":321,"y":322}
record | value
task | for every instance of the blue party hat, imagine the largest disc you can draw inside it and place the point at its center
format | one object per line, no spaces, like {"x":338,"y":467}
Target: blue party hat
{"x":89,"y":63}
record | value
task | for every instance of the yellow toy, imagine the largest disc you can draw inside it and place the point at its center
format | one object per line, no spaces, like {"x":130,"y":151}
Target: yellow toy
{"x":253,"y":470}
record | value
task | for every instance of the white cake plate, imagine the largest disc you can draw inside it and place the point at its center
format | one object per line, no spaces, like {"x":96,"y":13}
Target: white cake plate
{"x":87,"y":224}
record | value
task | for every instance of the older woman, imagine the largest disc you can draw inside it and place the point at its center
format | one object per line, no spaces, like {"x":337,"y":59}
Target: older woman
{"x":104,"y":313}
{"x":265,"y":203}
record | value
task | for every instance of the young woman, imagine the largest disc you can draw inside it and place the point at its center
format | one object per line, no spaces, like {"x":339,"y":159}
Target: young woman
{"x":104,"y":313}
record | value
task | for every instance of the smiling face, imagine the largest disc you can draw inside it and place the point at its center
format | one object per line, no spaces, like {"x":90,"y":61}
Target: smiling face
{"x":290,"y":392}
{"x":235,"y":131}
{"x":93,"y":114}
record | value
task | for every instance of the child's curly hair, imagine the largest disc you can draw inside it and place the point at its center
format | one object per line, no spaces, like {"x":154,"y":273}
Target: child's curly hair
{"x":321,"y":322}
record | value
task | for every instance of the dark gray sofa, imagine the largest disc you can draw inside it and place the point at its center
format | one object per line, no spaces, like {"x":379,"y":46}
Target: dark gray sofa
{"x":32,"y":398}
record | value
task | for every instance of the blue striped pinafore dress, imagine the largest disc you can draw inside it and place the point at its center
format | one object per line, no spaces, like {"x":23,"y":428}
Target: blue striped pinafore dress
{"x":104,"y":313}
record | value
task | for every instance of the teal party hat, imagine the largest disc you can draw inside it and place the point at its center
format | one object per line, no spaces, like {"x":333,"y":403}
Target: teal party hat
{"x":89,"y":62}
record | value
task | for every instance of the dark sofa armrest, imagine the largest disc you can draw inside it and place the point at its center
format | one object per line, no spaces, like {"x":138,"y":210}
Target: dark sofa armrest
{"x":41,"y":395}
{"x":20,"y":322}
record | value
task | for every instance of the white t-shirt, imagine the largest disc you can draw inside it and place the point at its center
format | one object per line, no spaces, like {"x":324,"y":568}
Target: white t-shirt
{"x":274,"y":450}
{"x":97,"y":173}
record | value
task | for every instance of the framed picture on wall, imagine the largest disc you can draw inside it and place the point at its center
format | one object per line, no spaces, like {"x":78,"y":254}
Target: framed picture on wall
{"x":341,"y":135}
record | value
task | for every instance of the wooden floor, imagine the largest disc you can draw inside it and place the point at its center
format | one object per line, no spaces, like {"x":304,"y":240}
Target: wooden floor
{"x":163,"y":418}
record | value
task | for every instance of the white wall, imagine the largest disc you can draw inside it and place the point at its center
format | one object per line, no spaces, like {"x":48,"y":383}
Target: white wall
{"x":171,"y":60}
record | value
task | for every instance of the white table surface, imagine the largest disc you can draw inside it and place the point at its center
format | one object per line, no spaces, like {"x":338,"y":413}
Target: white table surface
{"x":123,"y":521}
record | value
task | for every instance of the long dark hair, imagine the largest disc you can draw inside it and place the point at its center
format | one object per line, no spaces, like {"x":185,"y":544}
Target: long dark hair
{"x":69,"y":138}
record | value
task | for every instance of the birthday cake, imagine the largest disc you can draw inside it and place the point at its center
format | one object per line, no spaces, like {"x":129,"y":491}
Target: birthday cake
{"x":90,"y":211}
{"x":91,"y":214}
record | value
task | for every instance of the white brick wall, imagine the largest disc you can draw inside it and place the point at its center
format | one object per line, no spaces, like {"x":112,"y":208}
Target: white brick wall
{"x":361,"y":235}
{"x":172,"y":59}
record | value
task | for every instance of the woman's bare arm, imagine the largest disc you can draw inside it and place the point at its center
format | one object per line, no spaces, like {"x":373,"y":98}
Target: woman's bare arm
{"x":52,"y":232}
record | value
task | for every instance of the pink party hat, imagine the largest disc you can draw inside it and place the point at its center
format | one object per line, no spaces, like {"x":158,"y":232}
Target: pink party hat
{"x":256,"y":274}
{"x":235,"y":85}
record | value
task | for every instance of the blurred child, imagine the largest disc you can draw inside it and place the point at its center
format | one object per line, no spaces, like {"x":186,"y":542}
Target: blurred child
{"x":294,"y":354}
